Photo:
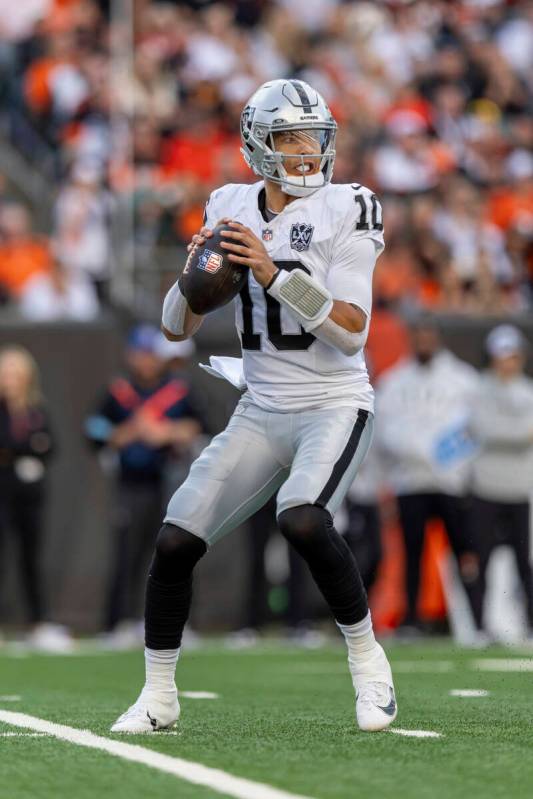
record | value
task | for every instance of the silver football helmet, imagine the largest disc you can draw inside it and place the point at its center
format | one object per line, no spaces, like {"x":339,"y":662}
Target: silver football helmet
{"x":288,"y":105}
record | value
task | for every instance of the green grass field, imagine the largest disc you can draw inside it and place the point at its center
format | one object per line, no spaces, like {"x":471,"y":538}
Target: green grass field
{"x":284,"y":717}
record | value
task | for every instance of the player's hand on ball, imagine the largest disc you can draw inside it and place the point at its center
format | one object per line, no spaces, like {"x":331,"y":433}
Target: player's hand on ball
{"x":245,"y":248}
{"x":203,"y":234}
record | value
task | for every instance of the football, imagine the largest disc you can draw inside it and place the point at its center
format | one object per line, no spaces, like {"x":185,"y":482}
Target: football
{"x":209,"y":279}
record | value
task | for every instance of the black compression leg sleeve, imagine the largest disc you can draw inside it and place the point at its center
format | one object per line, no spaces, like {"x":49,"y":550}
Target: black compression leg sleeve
{"x":310,"y":530}
{"x":169,"y":586}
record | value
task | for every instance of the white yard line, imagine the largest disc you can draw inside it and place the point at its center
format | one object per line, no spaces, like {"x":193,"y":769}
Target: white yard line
{"x":23,"y":734}
{"x":415,"y":733}
{"x":503,"y":664}
{"x":10,"y":698}
{"x":468,"y":692}
{"x":198,"y":695}
{"x":215,"y":779}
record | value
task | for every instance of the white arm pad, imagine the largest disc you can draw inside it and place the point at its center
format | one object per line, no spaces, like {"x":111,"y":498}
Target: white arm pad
{"x":336,"y":336}
{"x":174,"y":311}
{"x":309,"y":302}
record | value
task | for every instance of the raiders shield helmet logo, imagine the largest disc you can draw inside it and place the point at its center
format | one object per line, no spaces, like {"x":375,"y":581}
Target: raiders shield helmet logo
{"x":301,"y":235}
{"x":247,"y":118}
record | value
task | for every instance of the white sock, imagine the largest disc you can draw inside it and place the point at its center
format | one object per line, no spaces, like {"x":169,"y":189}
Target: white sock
{"x":359,"y":638}
{"x":161,"y":669}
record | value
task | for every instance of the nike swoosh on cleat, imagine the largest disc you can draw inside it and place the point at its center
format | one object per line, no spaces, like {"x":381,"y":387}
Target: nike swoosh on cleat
{"x":389,"y":709}
{"x":153,"y":722}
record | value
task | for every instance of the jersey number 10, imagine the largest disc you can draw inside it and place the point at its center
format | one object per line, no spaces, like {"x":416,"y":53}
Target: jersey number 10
{"x":375,"y":213}
{"x":281,"y":341}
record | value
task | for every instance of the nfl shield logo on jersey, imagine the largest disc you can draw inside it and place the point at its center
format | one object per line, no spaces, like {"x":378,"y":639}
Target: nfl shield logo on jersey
{"x":210,"y":261}
{"x":267,"y":234}
{"x":301,"y":235}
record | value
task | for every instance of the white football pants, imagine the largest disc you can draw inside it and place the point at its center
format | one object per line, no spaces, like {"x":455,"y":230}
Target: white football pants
{"x":312,"y":455}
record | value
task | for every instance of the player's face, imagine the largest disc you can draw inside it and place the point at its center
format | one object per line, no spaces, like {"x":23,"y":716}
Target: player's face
{"x":305,"y":145}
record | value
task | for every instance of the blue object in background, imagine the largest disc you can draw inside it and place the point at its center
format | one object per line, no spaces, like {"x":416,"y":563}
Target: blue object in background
{"x":144,"y":338}
{"x":454,"y":446}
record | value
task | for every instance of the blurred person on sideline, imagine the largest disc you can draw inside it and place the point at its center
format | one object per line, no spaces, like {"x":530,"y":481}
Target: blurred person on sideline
{"x":176,"y":357}
{"x":422,"y":412}
{"x":26,"y":443}
{"x":144,"y":417}
{"x":502,"y":472}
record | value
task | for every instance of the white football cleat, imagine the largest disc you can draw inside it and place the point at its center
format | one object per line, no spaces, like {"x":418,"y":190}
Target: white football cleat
{"x":151,"y":712}
{"x":375,"y":706}
{"x":375,"y":701}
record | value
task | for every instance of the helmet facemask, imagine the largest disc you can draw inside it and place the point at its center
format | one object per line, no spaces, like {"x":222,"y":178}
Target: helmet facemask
{"x":312,"y":157}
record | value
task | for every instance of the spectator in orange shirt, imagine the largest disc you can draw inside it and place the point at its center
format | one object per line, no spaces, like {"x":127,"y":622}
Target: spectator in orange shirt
{"x":23,"y":254}
{"x":396,"y":279}
{"x":194,"y":151}
{"x":512,"y":206}
{"x":54,"y":84}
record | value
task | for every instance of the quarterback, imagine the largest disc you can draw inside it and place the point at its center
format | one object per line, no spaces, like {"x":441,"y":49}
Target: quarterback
{"x":304,"y":422}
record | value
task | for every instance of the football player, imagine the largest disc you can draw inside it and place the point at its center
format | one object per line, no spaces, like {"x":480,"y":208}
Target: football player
{"x":304,"y":423}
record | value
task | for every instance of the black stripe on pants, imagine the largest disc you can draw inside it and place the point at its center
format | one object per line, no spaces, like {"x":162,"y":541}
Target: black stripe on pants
{"x":344,"y":461}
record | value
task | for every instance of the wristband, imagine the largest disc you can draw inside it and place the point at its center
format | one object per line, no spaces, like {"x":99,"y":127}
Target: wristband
{"x":310,"y":302}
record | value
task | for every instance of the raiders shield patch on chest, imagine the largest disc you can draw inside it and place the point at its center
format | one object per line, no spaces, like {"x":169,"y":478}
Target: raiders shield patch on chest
{"x":301,"y":235}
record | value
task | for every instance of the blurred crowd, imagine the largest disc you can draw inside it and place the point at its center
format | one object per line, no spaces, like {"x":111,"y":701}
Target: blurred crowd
{"x":138,"y":119}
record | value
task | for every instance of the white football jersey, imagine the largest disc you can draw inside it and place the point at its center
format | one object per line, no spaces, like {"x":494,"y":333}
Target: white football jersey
{"x":285,"y":368}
